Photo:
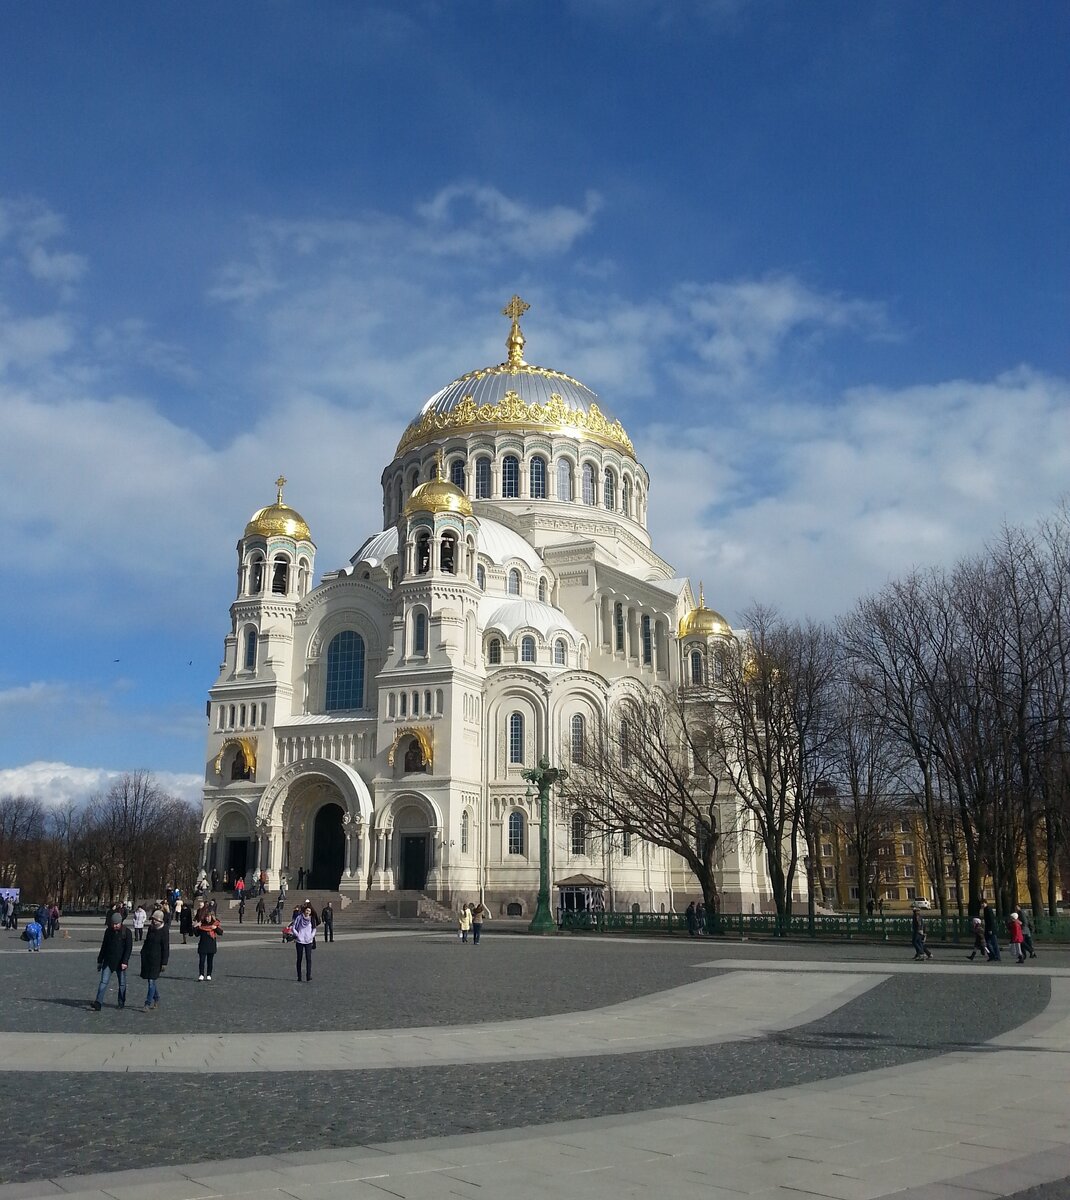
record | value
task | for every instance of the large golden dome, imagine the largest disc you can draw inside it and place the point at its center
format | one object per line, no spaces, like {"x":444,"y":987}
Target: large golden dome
{"x":438,"y":496}
{"x":704,"y":622}
{"x":278,"y":520}
{"x":515,"y":395}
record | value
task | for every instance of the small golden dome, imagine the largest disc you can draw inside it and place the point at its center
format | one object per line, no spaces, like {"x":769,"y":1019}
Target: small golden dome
{"x":278,"y":520}
{"x":438,"y":495}
{"x":703,"y":621}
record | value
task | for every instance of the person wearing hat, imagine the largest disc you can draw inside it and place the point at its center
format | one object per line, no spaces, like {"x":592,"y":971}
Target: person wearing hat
{"x":154,"y":955}
{"x":113,"y":958}
{"x":1014,"y":928}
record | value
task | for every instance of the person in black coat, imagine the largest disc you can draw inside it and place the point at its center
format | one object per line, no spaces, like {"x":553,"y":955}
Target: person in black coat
{"x":113,"y":958}
{"x":155,"y":952}
{"x":185,"y":922}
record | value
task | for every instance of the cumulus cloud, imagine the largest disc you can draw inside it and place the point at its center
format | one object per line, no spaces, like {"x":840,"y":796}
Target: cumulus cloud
{"x":58,"y":783}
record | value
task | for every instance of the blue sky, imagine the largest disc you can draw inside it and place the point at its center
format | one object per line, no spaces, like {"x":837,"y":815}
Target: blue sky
{"x":815,"y":257}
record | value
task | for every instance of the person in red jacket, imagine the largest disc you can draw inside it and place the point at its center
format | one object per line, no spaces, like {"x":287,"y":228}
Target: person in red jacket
{"x":1014,"y":928}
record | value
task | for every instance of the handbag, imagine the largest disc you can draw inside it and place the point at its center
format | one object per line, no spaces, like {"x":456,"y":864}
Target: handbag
{"x":288,"y":934}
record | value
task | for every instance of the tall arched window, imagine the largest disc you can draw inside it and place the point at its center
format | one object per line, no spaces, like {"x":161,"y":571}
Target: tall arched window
{"x":701,"y":749}
{"x":542,"y":589}
{"x":577,"y":736}
{"x":560,"y":653}
{"x":419,"y":633}
{"x":625,"y":744}
{"x":345,"y":671}
{"x":516,"y":832}
{"x":494,"y":652}
{"x":250,"y":649}
{"x":618,"y":626}
{"x":403,"y":704}
{"x":578,"y":831}
{"x":482,"y":478}
{"x":256,"y":577}
{"x":537,"y":478}
{"x":423,"y":553}
{"x":457,"y":473}
{"x":481,"y":577}
{"x":527,"y":650}
{"x":697,"y":673}
{"x":626,"y":843}
{"x":589,"y":496}
{"x":609,"y":490}
{"x":564,"y":479}
{"x":516,"y":737}
{"x":280,"y":576}
{"x":514,"y":582}
{"x":510,"y":477}
{"x":466,"y":825}
{"x":648,"y":640}
{"x":626,"y":497}
{"x":398,"y":485}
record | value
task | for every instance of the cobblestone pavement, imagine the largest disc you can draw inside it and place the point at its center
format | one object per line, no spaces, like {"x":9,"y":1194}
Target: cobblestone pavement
{"x":79,"y":1123}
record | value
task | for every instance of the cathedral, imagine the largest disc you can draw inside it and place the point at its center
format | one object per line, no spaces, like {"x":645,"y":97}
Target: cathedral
{"x":370,"y":731}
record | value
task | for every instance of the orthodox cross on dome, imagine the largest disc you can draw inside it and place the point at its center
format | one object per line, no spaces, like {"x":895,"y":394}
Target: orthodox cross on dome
{"x":514,"y":343}
{"x":280,"y":483}
{"x":701,"y":595}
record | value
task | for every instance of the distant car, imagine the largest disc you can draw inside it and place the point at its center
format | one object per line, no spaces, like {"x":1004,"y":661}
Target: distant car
{"x":920,"y":904}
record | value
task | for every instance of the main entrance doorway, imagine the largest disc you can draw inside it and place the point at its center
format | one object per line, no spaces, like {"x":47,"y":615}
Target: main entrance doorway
{"x":328,"y":849}
{"x":413,"y":862}
{"x":237,"y":860}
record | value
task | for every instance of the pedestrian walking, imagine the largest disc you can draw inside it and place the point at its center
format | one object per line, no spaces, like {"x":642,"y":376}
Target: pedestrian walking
{"x":261,"y":883}
{"x":304,"y":932}
{"x":113,"y":958}
{"x":988,"y":916}
{"x":1014,"y":931}
{"x":480,"y":913}
{"x":921,"y":951}
{"x":185,"y":922}
{"x":1027,"y":934}
{"x":32,"y":933}
{"x":692,"y":920}
{"x":700,"y":917}
{"x":241,"y":911}
{"x":300,"y":878}
{"x":261,"y":911}
{"x":154,"y":955}
{"x":327,"y":921}
{"x":239,"y":888}
{"x":13,"y":914}
{"x":210,"y":931}
{"x":977,"y":925}
{"x":141,"y":918}
{"x":53,"y":920}
{"x":464,"y":922}
{"x":40,"y":915}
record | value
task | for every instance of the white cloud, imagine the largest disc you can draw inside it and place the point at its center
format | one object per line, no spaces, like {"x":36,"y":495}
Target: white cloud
{"x":57,"y":783}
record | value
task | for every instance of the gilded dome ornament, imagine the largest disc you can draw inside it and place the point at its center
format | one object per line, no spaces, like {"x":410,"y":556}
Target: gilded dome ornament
{"x":278,"y":519}
{"x":704,"y":622}
{"x":438,"y":495}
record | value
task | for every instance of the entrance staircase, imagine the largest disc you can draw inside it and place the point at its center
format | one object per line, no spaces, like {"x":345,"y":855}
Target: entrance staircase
{"x":375,"y":911}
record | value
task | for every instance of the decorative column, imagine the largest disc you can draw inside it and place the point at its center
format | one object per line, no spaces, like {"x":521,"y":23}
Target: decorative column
{"x":349,"y":830}
{"x":544,"y":777}
{"x":434,"y":864}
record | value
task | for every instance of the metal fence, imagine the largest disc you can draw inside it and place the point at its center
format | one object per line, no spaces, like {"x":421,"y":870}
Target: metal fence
{"x":844,"y":927}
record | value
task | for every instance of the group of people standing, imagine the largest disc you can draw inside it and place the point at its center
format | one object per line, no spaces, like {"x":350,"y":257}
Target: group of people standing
{"x":986,"y":937}
{"x":470,"y":920}
{"x":695,"y":916}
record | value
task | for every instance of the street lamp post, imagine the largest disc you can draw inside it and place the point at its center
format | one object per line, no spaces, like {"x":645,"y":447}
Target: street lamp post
{"x":544,"y":777}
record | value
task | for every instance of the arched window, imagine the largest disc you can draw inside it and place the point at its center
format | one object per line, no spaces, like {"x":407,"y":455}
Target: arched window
{"x":718,"y":663}
{"x":510,"y":477}
{"x":609,"y":490}
{"x":303,"y":573}
{"x":414,"y":480}
{"x":564,"y":479}
{"x":626,"y":843}
{"x":527,"y":649}
{"x":423,"y":552}
{"x":438,"y":701}
{"x":427,"y":703}
{"x":457,"y":473}
{"x":577,"y":736}
{"x":588,"y":485}
{"x":392,"y":705}
{"x":697,"y":673}
{"x":482,"y":478}
{"x":345,"y":671}
{"x":481,"y":578}
{"x":466,"y":825}
{"x":241,"y":717}
{"x":701,"y":749}
{"x":230,"y":722}
{"x":419,"y":633}
{"x":537,"y":478}
{"x":626,"y":497}
{"x":514,"y":582}
{"x":618,"y":626}
{"x":516,"y":832}
{"x":560,"y":652}
{"x":398,"y":485}
{"x":542,"y":589}
{"x":578,"y":838}
{"x":625,"y":744}
{"x":403,"y":704}
{"x":416,"y":704}
{"x":494,"y":652}
{"x":250,"y":649}
{"x":448,"y":551}
{"x":256,"y":577}
{"x":516,"y":737}
{"x":648,"y":640}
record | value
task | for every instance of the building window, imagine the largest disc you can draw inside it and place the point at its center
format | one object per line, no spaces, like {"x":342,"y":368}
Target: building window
{"x":697,"y":673}
{"x":419,"y":634}
{"x":427,"y":702}
{"x":828,"y":873}
{"x":481,"y":578}
{"x":904,"y":826}
{"x":625,"y":745}
{"x":559,"y":652}
{"x":527,"y":650}
{"x":510,"y":477}
{"x":392,"y":705}
{"x":609,"y":491}
{"x":403,"y":704}
{"x":626,"y":497}
{"x":466,"y":822}
{"x":578,"y":832}
{"x":542,"y":590}
{"x":648,"y":641}
{"x":908,"y":871}
{"x":516,"y":832}
{"x":537,"y":478}
{"x":482,"y":478}
{"x":457,"y":473}
{"x":577,"y":736}
{"x":494,"y":652}
{"x":250,"y":650}
{"x":345,"y":671}
{"x":826,"y":849}
{"x":626,"y":843}
{"x":516,"y":737}
{"x":588,"y":484}
{"x":618,"y":626}
{"x":853,"y":893}
{"x":416,"y":704}
{"x":280,"y":576}
{"x":564,"y":479}
{"x":907,"y":849}
{"x":891,"y":893}
{"x":514,"y":582}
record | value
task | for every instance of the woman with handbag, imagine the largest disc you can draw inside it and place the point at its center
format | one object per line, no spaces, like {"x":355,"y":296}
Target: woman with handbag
{"x":304,"y":935}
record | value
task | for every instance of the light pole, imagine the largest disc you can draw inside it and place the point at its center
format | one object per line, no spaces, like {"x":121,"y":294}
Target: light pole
{"x":544,"y":777}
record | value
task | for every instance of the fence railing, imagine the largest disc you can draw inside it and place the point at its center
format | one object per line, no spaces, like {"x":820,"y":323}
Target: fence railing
{"x":846,"y":926}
